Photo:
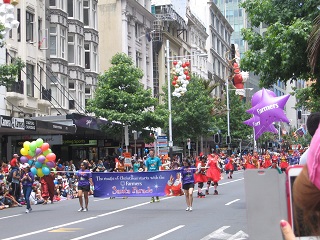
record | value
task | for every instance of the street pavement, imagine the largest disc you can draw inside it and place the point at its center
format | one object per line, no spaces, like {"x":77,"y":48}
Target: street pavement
{"x":220,"y":216}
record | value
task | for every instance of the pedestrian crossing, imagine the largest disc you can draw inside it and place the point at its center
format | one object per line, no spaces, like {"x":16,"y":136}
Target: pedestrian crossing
{"x":218,"y":234}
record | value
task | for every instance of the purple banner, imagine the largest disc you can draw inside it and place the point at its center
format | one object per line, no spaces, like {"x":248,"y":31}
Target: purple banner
{"x":137,"y":184}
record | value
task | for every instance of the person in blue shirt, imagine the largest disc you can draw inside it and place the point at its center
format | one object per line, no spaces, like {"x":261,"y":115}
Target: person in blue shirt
{"x":27,"y":179}
{"x":153,"y":164}
{"x":187,"y":175}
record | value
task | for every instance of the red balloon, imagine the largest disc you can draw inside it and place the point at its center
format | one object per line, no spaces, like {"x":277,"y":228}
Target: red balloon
{"x":175,"y":62}
{"x":51,"y":157}
{"x":45,"y":147}
{"x":188,"y":77}
{"x":175,"y":78}
{"x":174,"y":82}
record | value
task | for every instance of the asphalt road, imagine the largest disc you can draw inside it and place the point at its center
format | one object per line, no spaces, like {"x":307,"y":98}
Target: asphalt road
{"x":220,"y":216}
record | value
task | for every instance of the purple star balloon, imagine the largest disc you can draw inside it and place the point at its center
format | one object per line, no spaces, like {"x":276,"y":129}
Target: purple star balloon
{"x":270,"y":109}
{"x":258,"y":95}
{"x":258,"y":128}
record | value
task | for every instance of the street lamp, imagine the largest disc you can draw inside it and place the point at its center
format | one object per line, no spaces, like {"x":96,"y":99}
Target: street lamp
{"x":169,"y":59}
{"x":228,"y":140}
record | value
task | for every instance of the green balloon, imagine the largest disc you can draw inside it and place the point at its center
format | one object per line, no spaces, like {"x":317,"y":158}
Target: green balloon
{"x":39,"y":142}
{"x":45,"y":153}
{"x":31,"y":153}
{"x":33,"y":146}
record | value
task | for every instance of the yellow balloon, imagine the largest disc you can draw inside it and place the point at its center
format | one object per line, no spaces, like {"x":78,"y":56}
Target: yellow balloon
{"x":39,"y":172}
{"x":24,"y":152}
{"x":26,"y":145}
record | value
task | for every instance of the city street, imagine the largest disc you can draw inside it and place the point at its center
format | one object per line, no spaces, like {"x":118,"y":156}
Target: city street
{"x":220,"y":216}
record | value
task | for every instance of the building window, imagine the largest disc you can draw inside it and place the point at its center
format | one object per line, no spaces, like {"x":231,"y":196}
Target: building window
{"x":88,"y":90}
{"x":30,"y":79}
{"x":87,"y":55}
{"x":19,"y":27}
{"x":94,"y":16}
{"x":71,"y":85}
{"x":63,"y":43}
{"x":137,"y":30}
{"x":53,"y":41}
{"x":86,"y":13}
{"x":70,"y":8}
{"x":80,"y":50}
{"x":52,"y":3}
{"x":29,"y":26}
{"x":94,"y":67}
{"x":71,"y":104}
{"x":79,"y":10}
{"x":81,"y":94}
{"x":138,"y":59}
{"x":71,"y":48}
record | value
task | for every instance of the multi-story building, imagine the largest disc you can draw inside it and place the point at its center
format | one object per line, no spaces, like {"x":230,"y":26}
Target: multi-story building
{"x":125,"y":26}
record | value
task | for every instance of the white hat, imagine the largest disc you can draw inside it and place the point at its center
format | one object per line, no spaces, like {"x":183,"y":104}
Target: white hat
{"x":25,"y":165}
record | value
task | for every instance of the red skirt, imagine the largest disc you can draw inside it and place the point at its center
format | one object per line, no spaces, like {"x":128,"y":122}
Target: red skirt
{"x":199,"y":178}
{"x":214,"y":174}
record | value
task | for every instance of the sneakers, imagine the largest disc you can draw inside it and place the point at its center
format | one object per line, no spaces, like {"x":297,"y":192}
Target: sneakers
{"x":80,"y":209}
{"x":157,"y":199}
{"x":201,"y":195}
{"x":152,"y":200}
{"x":27,"y":210}
{"x":19,"y":205}
{"x":187,"y":209}
{"x":207,"y":192}
{"x":190,"y":209}
{"x":85,"y":210}
{"x":215,"y":192}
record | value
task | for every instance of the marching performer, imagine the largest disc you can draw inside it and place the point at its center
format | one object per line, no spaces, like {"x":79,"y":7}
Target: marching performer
{"x":213,"y":172}
{"x":200,"y":175}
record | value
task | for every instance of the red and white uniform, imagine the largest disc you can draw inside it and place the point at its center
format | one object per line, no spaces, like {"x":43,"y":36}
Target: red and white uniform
{"x":213,"y":172}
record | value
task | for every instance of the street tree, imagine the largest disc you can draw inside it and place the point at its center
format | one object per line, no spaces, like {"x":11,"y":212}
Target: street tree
{"x":238,"y":130}
{"x":121,"y":98}
{"x":280,"y":52}
{"x":191,"y":113}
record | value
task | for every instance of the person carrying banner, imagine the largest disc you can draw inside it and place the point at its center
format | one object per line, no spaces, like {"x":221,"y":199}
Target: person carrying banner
{"x":153,"y":164}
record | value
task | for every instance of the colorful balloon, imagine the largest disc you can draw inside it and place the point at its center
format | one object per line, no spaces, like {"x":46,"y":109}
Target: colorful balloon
{"x":33,"y":146}
{"x":51,"y":164}
{"x":24,"y":159}
{"x":39,"y":172}
{"x":258,"y":128}
{"x":38,"y":151}
{"x":38,"y":164}
{"x":39,"y":142}
{"x":256,"y":98}
{"x":45,"y":146}
{"x":45,"y":153}
{"x":51,"y":157}
{"x":45,"y":170}
{"x":26,"y":145}
{"x":41,"y":159}
{"x":33,"y":170}
{"x":24,"y":151}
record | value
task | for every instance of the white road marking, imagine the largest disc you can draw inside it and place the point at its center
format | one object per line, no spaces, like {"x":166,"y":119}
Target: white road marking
{"x":165,"y":233}
{"x":95,"y":233}
{"x":236,"y":200}
{"x":10,"y":216}
{"x":221,"y":235}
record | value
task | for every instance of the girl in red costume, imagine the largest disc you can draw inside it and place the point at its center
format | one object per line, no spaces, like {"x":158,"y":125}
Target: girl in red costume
{"x":230,"y":167}
{"x":213,"y":173}
{"x":200,"y":175}
{"x":284,"y":163}
{"x":267,"y":160}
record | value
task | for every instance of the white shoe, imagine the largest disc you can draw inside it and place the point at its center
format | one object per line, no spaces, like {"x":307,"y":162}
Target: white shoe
{"x":190,"y":209}
{"x":85,"y":210}
{"x":80,"y":209}
{"x":27,"y":210}
{"x":187,"y":209}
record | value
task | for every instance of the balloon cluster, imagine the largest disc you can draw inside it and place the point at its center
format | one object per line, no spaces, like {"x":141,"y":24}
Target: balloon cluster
{"x":39,"y":156}
{"x":181,"y":77}
{"x":267,"y":108}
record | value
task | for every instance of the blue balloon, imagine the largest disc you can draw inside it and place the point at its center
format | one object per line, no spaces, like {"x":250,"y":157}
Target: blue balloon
{"x":38,"y":164}
{"x":30,"y":162}
{"x":45,"y":170}
{"x":55,"y":182}
{"x":33,"y":170}
{"x":60,"y":165}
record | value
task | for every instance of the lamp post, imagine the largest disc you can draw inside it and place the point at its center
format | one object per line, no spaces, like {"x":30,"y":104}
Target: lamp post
{"x":228,"y":114}
{"x":169,"y":90}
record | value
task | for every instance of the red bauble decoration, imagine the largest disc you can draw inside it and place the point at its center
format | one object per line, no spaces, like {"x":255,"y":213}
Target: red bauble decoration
{"x":175,"y":78}
{"x":175,"y":62}
{"x":183,"y":65}
{"x":174,"y":82}
{"x":6,"y":1}
{"x":187,"y":64}
{"x":188,"y":77}
{"x":186,"y":72}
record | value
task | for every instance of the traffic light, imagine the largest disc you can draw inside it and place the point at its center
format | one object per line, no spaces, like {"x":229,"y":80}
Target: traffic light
{"x":217,"y":138}
{"x":228,"y":139}
{"x":299,"y":114}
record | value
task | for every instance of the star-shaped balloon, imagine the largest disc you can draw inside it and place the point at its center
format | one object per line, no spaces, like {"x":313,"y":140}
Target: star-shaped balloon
{"x":258,"y":128}
{"x":270,"y":109}
{"x":256,"y":98}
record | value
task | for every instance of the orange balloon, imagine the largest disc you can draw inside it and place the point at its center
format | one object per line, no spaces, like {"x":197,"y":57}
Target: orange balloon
{"x":51,"y":157}
{"x":45,"y":147}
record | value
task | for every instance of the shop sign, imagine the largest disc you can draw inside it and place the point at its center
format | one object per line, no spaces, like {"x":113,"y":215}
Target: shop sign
{"x":6,"y":122}
{"x":29,"y":125}
{"x":18,"y":123}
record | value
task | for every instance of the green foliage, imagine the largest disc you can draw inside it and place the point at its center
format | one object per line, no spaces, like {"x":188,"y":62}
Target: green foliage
{"x":281,"y":51}
{"x":120,"y":97}
{"x":9,"y":73}
{"x":191,"y":113}
{"x":238,"y":130}
{"x":309,"y":98}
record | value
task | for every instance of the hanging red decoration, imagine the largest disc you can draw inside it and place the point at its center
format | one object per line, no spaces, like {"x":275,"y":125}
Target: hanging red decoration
{"x":188,"y":77}
{"x":174,"y":82}
{"x":175,"y":62}
{"x":6,"y":1}
{"x":186,"y":72}
{"x":175,"y":78}
{"x":183,"y":65}
{"x":187,"y":64}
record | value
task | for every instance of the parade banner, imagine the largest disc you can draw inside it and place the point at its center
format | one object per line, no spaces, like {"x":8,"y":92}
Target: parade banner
{"x":137,"y":184}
